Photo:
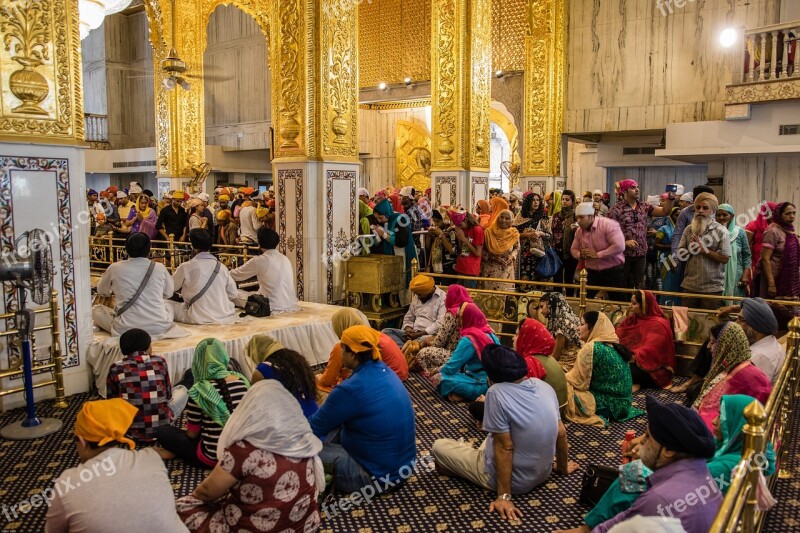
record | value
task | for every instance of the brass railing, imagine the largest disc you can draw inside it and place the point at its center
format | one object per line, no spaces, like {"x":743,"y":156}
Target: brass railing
{"x":52,"y":364}
{"x":107,"y":249}
{"x":771,"y":425}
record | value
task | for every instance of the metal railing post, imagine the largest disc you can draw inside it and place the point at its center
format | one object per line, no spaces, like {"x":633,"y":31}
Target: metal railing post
{"x":171,"y":239}
{"x":792,"y":347}
{"x":55,"y":351}
{"x":754,"y":445}
{"x":111,"y":256}
{"x":414,"y":268}
{"x":584,"y":277}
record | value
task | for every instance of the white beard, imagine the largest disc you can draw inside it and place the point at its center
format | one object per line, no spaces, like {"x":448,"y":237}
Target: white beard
{"x":700,"y":224}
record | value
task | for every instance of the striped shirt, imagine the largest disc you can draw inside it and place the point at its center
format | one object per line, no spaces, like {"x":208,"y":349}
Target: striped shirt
{"x":197,"y":420}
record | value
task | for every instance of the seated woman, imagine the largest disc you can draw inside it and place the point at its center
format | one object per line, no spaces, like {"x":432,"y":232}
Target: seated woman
{"x":261,"y":346}
{"x":368,"y":420}
{"x":729,"y":448}
{"x":336,"y":371}
{"x":435,"y":351}
{"x":213,"y":397}
{"x":291,"y":370}
{"x":700,"y":366}
{"x":268,"y":473}
{"x":533,"y":341}
{"x":462,"y":377}
{"x":599,"y":385}
{"x":563,"y":324}
{"x":646,"y":332}
{"x":731,"y":372}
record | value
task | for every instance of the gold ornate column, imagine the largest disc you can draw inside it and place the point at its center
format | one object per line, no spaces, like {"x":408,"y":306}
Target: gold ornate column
{"x":315,"y":107}
{"x":461,"y":97}
{"x":544,"y":93}
{"x":40,"y":68}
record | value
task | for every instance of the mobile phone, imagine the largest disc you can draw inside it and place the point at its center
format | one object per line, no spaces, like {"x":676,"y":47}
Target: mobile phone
{"x":672,"y":187}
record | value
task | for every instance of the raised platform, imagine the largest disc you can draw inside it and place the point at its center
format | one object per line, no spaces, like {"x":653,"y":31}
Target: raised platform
{"x":307,"y":331}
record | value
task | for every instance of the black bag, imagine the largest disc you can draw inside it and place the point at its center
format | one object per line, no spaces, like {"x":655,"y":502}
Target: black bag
{"x":595,"y":483}
{"x":257,"y":305}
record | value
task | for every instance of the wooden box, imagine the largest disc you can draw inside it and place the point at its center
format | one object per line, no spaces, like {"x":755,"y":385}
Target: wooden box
{"x":375,"y":274}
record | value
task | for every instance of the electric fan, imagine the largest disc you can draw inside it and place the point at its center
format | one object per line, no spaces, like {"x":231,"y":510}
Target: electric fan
{"x":30,"y":269}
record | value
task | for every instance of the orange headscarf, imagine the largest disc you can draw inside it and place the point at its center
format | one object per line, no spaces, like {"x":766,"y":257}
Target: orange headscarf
{"x":483,"y":217}
{"x":105,"y":421}
{"x":498,"y":204}
{"x":499,"y":241}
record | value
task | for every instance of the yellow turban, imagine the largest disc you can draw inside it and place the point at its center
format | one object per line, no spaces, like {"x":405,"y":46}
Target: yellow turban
{"x":105,"y":421}
{"x":224,"y":198}
{"x":261,"y":212}
{"x":225,"y":214}
{"x":177,"y":195}
{"x":361,"y":339}
{"x":421,"y":284}
{"x":713,"y":203}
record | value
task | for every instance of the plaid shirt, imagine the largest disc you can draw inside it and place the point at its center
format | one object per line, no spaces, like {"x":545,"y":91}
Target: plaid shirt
{"x":633,"y":222}
{"x":143,"y":381}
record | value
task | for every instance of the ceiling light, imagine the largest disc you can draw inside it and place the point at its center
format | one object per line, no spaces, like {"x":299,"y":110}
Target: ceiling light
{"x":382,"y":86}
{"x":168,"y":83}
{"x":407,"y":80}
{"x":499,"y":73}
{"x":728,"y":37}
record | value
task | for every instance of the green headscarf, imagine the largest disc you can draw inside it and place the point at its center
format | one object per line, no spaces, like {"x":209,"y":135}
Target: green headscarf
{"x":211,"y":363}
{"x":363,"y":212}
{"x":384,"y":207}
{"x":730,"y":448}
{"x":259,"y":347}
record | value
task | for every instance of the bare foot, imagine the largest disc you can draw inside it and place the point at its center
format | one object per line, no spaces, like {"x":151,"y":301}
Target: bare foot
{"x":583,"y":529}
{"x":455,"y":398}
{"x":636,"y":387}
{"x":163,"y":453}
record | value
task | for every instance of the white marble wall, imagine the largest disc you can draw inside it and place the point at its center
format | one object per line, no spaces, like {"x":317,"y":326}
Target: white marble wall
{"x":751,"y":180}
{"x":631,"y":68}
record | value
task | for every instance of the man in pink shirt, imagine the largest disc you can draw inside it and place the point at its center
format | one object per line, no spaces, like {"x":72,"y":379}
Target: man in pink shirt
{"x":599,"y":246}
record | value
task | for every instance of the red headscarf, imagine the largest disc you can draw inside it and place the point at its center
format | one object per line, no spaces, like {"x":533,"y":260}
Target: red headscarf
{"x":456,"y":295}
{"x":650,"y":339}
{"x":533,"y":339}
{"x":397,"y":205}
{"x":473,"y":325}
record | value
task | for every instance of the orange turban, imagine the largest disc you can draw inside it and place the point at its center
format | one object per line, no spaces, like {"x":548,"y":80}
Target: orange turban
{"x":362,"y":338}
{"x":247,"y":191}
{"x":224,"y":198}
{"x":421,"y":284}
{"x":105,"y":421}
{"x":225,"y":214}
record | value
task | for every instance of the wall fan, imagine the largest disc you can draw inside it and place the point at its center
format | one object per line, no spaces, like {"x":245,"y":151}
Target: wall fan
{"x":29,"y":269}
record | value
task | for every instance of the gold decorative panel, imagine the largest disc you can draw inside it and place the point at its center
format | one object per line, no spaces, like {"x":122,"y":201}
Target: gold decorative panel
{"x":412,"y":143}
{"x":480,"y":87}
{"x":394,"y":41}
{"x":509,"y":27}
{"x":768,"y":91}
{"x":40,"y":71}
{"x":544,"y":87}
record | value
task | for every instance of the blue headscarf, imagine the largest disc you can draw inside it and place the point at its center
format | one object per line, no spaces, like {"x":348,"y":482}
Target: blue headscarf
{"x":384,"y":207}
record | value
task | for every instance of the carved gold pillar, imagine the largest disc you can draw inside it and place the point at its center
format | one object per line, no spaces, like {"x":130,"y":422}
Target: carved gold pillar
{"x":180,"y":117}
{"x":461,"y":98}
{"x":40,"y":69}
{"x":544,"y":93}
{"x":315,"y":107}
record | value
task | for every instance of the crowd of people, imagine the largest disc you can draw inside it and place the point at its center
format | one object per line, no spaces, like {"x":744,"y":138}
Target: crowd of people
{"x":276,"y":440}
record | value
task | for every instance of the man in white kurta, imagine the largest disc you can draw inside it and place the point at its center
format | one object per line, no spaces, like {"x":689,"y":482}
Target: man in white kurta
{"x":215,"y":305}
{"x":248,"y":224}
{"x":274,"y":273}
{"x":149,"y":312}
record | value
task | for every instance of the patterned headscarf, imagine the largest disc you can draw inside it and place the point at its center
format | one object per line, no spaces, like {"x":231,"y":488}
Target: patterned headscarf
{"x":562,"y":318}
{"x":211,"y":363}
{"x":731,"y":350}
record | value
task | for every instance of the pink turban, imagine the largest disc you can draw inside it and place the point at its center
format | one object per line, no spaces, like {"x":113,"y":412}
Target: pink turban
{"x":624,"y":185}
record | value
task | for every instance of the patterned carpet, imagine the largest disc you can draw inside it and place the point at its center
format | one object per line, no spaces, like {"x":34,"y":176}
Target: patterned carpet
{"x":427,"y":502}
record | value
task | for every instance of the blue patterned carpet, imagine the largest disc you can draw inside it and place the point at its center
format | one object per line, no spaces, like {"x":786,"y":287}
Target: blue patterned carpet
{"x":427,"y":502}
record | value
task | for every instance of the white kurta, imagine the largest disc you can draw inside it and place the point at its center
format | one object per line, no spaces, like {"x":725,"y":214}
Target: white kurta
{"x":150,"y":312}
{"x":768,"y":355}
{"x":216,"y":305}
{"x":248,"y":223}
{"x":275,"y":280}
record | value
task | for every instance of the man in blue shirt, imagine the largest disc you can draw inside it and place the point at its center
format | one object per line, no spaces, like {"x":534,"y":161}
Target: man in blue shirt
{"x":368,"y":418}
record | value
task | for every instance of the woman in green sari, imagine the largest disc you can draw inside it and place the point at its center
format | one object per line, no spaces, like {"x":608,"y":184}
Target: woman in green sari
{"x":730,"y":444}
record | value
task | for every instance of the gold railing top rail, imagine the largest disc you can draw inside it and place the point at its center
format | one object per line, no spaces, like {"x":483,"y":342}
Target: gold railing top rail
{"x":6,"y":316}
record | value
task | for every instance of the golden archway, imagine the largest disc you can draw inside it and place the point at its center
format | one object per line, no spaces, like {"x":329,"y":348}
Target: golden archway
{"x":504,"y":121}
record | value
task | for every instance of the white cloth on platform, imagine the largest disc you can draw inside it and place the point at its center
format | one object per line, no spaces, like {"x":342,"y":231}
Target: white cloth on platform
{"x":213,"y":307}
{"x":307,"y":331}
{"x":149,"y":312}
{"x":248,"y":223}
{"x":275,"y":280}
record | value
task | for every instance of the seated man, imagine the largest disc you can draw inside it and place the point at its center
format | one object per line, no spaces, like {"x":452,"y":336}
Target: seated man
{"x":760,"y":325}
{"x":140,"y":286}
{"x":98,"y":490}
{"x":205,"y":285}
{"x":369,"y":417}
{"x":525,"y":432}
{"x":274,"y":272}
{"x":141,"y":379}
{"x":676,"y":446}
{"x":425,"y":314}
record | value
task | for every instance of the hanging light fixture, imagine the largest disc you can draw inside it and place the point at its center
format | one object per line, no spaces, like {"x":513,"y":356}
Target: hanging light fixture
{"x":92,"y":13}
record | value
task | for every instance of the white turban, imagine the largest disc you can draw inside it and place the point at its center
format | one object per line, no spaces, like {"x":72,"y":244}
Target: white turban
{"x":122,"y":194}
{"x":203,"y":196}
{"x":363,"y":192}
{"x":688,"y":197}
{"x":584,"y":208}
{"x":135,"y":188}
{"x":408,"y":190}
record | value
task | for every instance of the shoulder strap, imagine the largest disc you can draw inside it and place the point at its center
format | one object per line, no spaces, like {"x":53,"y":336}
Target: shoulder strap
{"x":205,"y":287}
{"x":138,"y":293}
